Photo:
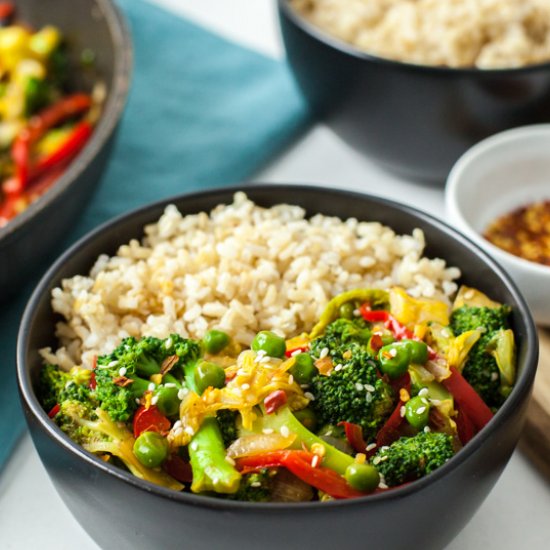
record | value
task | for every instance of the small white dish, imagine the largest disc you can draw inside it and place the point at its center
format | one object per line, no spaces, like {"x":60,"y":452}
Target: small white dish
{"x":496,"y":176}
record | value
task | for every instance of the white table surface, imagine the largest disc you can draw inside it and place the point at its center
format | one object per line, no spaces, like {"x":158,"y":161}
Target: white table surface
{"x":516,"y":515}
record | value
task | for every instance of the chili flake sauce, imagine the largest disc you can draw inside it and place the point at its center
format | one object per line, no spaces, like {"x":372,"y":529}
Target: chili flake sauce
{"x":524,"y":232}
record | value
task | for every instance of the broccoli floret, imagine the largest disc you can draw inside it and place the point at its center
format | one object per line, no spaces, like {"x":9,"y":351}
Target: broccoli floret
{"x":410,"y":458}
{"x":227,"y":421}
{"x":256,"y":486}
{"x":138,"y":360}
{"x":481,"y":369}
{"x":354,"y":393}
{"x":56,"y":385}
{"x":94,"y":430}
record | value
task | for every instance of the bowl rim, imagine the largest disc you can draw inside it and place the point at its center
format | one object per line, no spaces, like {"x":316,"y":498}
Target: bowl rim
{"x":520,"y":391}
{"x":347,"y":48}
{"x":485,"y":148}
{"x":109,"y":118}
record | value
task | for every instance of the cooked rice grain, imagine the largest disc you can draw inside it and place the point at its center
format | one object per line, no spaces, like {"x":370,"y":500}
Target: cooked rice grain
{"x":241,"y":269}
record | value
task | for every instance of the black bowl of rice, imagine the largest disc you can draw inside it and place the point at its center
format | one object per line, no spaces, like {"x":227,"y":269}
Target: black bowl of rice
{"x":413,"y":85}
{"x":274,"y":255}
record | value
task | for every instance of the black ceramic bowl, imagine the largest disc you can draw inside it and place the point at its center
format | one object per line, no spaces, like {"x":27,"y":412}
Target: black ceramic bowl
{"x":414,"y":120}
{"x":121,"y":511}
{"x":95,"y":24}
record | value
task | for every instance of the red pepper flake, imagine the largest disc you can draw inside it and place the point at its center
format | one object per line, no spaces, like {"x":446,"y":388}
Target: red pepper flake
{"x":376,"y":342}
{"x":291,"y":352}
{"x":274,"y":400}
{"x":168,"y":364}
{"x":55,"y":409}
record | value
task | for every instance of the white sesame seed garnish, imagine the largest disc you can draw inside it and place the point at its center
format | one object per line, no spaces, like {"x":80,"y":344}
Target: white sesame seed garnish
{"x":421,"y":410}
{"x":285,"y":432}
{"x":423,"y":392}
{"x":382,"y":486}
{"x":402,"y":411}
{"x":137,"y":400}
{"x":267,"y":431}
{"x":494,"y":376}
{"x":291,"y":379}
{"x":309,"y":395}
{"x":383,"y":458}
{"x":384,"y":448}
{"x":427,"y":429}
{"x":177,"y":424}
{"x":392,"y":352}
{"x":231,"y":461}
{"x":254,"y":483}
{"x":170,"y":385}
{"x":370,"y":446}
{"x":424,"y":400}
{"x":154,"y":399}
{"x":122,"y":371}
{"x":193,"y":445}
{"x":168,"y":343}
{"x":296,"y":352}
{"x":189,"y":430}
{"x":315,"y":461}
{"x":245,"y":386}
{"x":265,"y":359}
{"x":151,"y":386}
{"x":69,"y":384}
{"x":338,"y":367}
{"x":356,"y":312}
{"x":324,"y":353}
{"x":469,"y":294}
{"x":368,"y":397}
{"x":376,"y":460}
{"x":369,"y":387}
{"x":358,"y":386}
{"x":304,"y":386}
{"x":113,"y":364}
{"x":182,"y":393}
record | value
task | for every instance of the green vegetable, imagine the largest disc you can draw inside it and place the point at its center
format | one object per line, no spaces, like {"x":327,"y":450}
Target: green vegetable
{"x":270,"y":343}
{"x":303,"y":369}
{"x":151,"y":449}
{"x":481,"y":369}
{"x":363,"y":477}
{"x":227,"y":422}
{"x":215,"y":340}
{"x":256,"y":486}
{"x":410,"y":458}
{"x":168,"y":402}
{"x":417,"y":412}
{"x":346,"y":310}
{"x":207,"y":375}
{"x":418,"y":351}
{"x":307,"y":417}
{"x":38,"y":94}
{"x":394,"y":359}
{"x":56,"y":386}
{"x":97,"y":433}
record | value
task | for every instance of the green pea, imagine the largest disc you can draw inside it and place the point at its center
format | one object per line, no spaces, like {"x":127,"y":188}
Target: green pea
{"x":363,"y":477}
{"x":346,"y":310}
{"x":151,"y":449}
{"x":209,"y":374}
{"x":417,"y":412}
{"x":303,"y":369}
{"x":418,"y":351}
{"x":394,"y":359}
{"x":215,"y":340}
{"x":307,"y":417}
{"x":167,"y":400}
{"x":270,"y":343}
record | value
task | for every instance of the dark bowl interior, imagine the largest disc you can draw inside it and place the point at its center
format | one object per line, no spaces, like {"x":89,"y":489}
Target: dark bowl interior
{"x":120,"y":511}
{"x":86,"y":24}
{"x":414,"y":120}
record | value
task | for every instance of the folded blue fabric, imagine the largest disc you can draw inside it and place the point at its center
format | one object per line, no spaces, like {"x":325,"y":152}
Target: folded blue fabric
{"x":202,"y":112}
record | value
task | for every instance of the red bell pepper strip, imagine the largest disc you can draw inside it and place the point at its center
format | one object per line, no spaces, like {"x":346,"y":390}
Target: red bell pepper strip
{"x":354,"y":435}
{"x":469,"y":402}
{"x":55,"y":409}
{"x":373,"y":315}
{"x":7,"y":10}
{"x":274,"y":400}
{"x":290,"y":352}
{"x":93,"y":383}
{"x":299,"y":463}
{"x":390,"y":431}
{"x":150,"y":420}
{"x":464,"y":427}
{"x":178,"y":468}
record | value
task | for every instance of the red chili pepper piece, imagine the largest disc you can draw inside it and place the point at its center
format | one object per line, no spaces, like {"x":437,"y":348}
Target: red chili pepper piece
{"x":93,"y":384}
{"x":55,"y":409}
{"x":373,"y":315}
{"x":354,"y":435}
{"x":400,"y":331}
{"x":290,"y":352}
{"x":7,"y":10}
{"x":299,"y":463}
{"x":468,"y":400}
{"x":150,"y":420}
{"x":390,"y":431}
{"x":465,"y":427}
{"x":274,"y":400}
{"x":178,"y":468}
{"x":376,"y":342}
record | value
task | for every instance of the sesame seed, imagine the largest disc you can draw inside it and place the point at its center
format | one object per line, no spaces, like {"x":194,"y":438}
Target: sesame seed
{"x":254,"y":483}
{"x":189,"y":430}
{"x":356,"y":312}
{"x":177,"y":424}
{"x":402,"y":411}
{"x":421,"y":410}
{"x":137,"y":400}
{"x":122,"y":371}
{"x":358,"y":386}
{"x":232,"y":462}
{"x":469,"y":294}
{"x":304,"y":386}
{"x":113,"y":364}
{"x":338,"y":367}
{"x":309,"y":395}
{"x":245,"y":386}
{"x":384,"y":448}
{"x":69,"y":384}
{"x":291,"y":379}
{"x":151,"y":386}
{"x":392,"y":352}
{"x":170,"y":385}
{"x":370,"y":447}
{"x":423,"y":392}
{"x":315,"y":461}
{"x":427,"y":429}
{"x":267,"y":431}
{"x":383,"y":458}
{"x":285,"y":432}
{"x":324,"y":353}
{"x":368,"y":387}
{"x":182,"y":393}
{"x":424,"y":400}
{"x":382,"y":486}
{"x":494,"y":376}
{"x":295,"y":353}
{"x":376,"y":460}
{"x":265,"y":359}
{"x":194,"y":445}
{"x":154,"y":399}
{"x":168,"y":343}
{"x":368,"y":397}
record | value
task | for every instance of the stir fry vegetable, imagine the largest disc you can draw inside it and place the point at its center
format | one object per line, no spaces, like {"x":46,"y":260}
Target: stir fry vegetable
{"x":43,"y":124}
{"x":383,"y":391}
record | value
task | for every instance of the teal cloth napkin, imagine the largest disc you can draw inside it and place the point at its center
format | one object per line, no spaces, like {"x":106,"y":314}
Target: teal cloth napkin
{"x":202,"y":112}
